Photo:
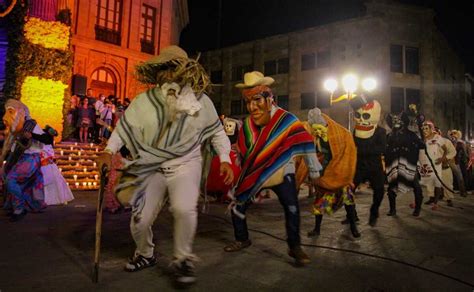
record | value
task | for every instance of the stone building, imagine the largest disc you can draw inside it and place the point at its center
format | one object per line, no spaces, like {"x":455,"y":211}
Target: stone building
{"x":397,"y":44}
{"x":111,"y":36}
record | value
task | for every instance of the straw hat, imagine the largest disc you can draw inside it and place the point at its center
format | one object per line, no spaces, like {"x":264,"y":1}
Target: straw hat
{"x":167,"y":54}
{"x":255,"y":78}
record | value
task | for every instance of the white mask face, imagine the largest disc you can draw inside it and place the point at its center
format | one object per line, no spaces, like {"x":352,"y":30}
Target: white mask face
{"x":367,"y":118}
{"x":229,"y":127}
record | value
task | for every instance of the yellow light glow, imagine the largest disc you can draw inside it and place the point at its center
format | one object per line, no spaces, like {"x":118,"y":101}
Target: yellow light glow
{"x":330,"y":85}
{"x":349,"y":82}
{"x":369,"y":84}
{"x":45,"y":100}
{"x":49,"y":34}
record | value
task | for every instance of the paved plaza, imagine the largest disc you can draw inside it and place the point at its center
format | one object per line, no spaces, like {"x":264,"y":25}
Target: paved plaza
{"x":53,"y":251}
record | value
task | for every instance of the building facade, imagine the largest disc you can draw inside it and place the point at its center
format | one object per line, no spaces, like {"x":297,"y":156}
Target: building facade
{"x":397,"y":44}
{"x":111,"y":36}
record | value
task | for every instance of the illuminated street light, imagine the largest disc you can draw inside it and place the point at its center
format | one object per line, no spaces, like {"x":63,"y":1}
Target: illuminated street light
{"x":369,"y":84}
{"x":330,"y":85}
{"x":349,"y":82}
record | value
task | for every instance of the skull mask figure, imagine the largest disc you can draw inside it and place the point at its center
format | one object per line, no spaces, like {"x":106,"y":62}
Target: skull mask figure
{"x":229,"y":126}
{"x":367,"y":118}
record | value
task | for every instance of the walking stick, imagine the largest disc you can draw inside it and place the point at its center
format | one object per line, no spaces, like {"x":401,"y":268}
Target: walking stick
{"x":98,"y":221}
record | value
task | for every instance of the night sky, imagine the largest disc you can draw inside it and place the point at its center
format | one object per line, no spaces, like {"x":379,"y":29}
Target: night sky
{"x":246,"y":20}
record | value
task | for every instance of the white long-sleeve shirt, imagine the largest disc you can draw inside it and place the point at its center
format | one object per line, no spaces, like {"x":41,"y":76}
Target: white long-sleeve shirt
{"x":219,"y":141}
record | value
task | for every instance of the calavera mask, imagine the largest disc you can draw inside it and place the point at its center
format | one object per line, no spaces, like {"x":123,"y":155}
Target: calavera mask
{"x":320,"y":131}
{"x":367,"y":118}
{"x":229,"y":126}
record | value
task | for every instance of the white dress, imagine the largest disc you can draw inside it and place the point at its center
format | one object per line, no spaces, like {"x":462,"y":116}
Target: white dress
{"x":56,"y":190}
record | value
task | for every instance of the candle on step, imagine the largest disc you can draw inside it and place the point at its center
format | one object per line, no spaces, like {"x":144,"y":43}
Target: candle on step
{"x":76,"y":184}
{"x":75,"y":177}
{"x":94,"y":184}
{"x":84,"y":184}
{"x":89,"y":184}
{"x":96,"y":177}
{"x":60,"y":169}
{"x":70,"y":158}
{"x":85,"y":169}
{"x":92,"y":144}
{"x":95,"y":164}
{"x":62,"y":153}
{"x":75,"y":143}
{"x":72,"y":148}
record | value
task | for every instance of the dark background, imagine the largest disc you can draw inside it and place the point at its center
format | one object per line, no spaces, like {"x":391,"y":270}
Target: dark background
{"x":247,"y":20}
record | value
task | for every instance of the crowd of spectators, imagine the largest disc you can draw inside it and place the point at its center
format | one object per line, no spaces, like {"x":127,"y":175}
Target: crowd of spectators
{"x":94,"y":117}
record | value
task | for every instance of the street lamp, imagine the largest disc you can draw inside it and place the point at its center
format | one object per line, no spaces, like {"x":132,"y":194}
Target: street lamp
{"x":350,"y":84}
{"x":369,"y":84}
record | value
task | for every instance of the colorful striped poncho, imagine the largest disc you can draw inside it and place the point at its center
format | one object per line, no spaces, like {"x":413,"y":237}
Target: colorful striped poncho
{"x":267,"y":150}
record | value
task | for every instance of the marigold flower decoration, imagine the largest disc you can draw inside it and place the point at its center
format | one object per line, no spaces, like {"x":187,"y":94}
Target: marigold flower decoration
{"x":45,"y":100}
{"x":49,"y":34}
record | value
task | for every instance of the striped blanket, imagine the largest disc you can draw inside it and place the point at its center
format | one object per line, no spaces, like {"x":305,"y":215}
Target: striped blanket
{"x":266,"y":151}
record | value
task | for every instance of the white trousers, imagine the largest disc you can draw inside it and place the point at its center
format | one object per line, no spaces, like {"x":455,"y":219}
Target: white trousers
{"x":179,"y":184}
{"x":448,"y":181}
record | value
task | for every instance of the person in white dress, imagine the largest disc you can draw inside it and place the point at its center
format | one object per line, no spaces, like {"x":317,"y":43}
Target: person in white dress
{"x":56,"y":190}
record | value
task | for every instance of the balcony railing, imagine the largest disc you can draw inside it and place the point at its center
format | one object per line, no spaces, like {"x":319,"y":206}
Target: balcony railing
{"x":148,"y":47}
{"x":107,"y":35}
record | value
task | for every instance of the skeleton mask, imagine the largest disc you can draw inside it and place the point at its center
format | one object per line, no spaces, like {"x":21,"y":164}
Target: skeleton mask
{"x":320,"y":131}
{"x":229,"y":126}
{"x":367,"y":118}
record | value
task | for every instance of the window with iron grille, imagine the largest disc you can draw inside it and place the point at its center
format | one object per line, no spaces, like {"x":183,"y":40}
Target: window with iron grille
{"x":108,"y":21}
{"x":308,"y":100}
{"x":147,"y":29}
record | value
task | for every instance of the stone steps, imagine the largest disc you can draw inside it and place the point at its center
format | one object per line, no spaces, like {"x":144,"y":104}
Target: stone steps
{"x":76,"y":161}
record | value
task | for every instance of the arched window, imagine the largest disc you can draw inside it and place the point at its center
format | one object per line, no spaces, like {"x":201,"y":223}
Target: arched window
{"x":104,"y":81}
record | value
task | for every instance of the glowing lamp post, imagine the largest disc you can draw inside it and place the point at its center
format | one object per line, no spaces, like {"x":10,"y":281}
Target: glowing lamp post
{"x":350,"y":84}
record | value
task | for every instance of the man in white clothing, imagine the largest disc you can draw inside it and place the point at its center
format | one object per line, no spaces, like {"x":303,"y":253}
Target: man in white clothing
{"x":437,"y":150}
{"x":163,"y":129}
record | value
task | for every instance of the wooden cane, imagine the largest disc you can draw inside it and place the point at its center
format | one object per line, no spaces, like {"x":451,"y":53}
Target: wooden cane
{"x":98,"y":221}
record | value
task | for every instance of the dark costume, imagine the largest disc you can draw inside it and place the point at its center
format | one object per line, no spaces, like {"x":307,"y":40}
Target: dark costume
{"x":370,"y":141}
{"x":401,"y":159}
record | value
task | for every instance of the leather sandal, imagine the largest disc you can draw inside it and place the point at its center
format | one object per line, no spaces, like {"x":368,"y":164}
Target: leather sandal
{"x":237,"y":245}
